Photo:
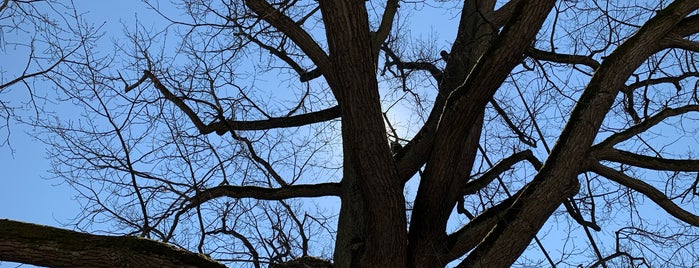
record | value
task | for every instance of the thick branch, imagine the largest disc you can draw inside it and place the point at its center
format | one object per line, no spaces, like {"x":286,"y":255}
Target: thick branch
{"x":504,"y":13}
{"x":286,"y":25}
{"x":263,"y":193}
{"x":557,"y":180}
{"x":468,"y":236}
{"x":648,"y":190}
{"x":644,"y":161}
{"x":562,"y":58}
{"x":223,"y":127}
{"x":676,"y":39}
{"x":54,"y":247}
{"x":275,"y":122}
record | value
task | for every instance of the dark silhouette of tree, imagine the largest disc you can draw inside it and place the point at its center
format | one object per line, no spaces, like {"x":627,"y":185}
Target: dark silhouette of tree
{"x":262,"y":133}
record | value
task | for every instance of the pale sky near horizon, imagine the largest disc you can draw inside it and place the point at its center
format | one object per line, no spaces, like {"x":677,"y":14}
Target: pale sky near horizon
{"x":26,"y":191}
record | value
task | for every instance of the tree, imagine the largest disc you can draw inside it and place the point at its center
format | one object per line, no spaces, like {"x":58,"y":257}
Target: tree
{"x":209,"y":143}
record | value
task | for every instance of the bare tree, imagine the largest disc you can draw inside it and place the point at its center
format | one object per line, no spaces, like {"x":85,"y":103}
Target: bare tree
{"x":269,"y":132}
{"x":36,"y":37}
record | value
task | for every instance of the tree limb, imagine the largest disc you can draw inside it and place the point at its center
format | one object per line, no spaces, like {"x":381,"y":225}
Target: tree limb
{"x":648,"y":190}
{"x":645,"y":125}
{"x":275,"y":122}
{"x":385,"y":27}
{"x":222,"y":127}
{"x":263,"y":193}
{"x":562,"y":58}
{"x":49,"y":246}
{"x":644,"y":161}
{"x":504,"y":164}
{"x":286,"y":25}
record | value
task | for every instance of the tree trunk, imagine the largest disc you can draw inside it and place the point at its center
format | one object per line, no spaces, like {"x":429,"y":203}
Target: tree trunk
{"x":368,"y":159}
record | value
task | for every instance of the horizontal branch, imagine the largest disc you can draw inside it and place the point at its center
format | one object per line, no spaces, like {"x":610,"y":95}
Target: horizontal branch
{"x":674,"y":80}
{"x":275,"y":122}
{"x":644,"y":161}
{"x":260,"y":193}
{"x":223,"y":127}
{"x":263,"y":193}
{"x":648,"y":190}
{"x":54,"y":247}
{"x":562,"y":58}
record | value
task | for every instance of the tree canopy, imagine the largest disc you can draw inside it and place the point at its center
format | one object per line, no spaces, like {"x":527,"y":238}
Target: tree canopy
{"x":330,"y":133}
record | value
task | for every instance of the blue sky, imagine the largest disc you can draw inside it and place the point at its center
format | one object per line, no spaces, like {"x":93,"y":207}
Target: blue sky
{"x":25,"y":182}
{"x":26,"y":192}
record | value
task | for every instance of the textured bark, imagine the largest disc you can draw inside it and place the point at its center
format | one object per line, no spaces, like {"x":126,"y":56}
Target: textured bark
{"x":54,"y":247}
{"x":450,"y":162}
{"x":557,"y":179}
{"x":367,"y":154}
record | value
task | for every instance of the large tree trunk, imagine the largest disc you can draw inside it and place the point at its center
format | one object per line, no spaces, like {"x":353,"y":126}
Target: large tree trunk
{"x":369,"y":163}
{"x":54,"y":247}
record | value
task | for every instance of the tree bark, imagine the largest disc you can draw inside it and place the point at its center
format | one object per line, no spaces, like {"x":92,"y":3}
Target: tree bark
{"x":54,"y":247}
{"x":557,"y":179}
{"x":367,"y":155}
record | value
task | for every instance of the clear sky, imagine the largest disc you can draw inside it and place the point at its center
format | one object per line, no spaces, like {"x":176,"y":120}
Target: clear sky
{"x":24,"y":181}
{"x":26,"y":192}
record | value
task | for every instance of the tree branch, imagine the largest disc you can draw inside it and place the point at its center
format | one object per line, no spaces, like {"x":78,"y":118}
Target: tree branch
{"x":385,"y":27}
{"x":645,"y":125}
{"x":504,"y":164}
{"x":275,"y":122}
{"x":470,"y":235}
{"x":644,"y":161}
{"x":562,"y":58}
{"x":222,"y":127}
{"x":286,"y":25}
{"x":49,"y":246}
{"x":504,"y":13}
{"x":648,"y":190}
{"x":263,"y":193}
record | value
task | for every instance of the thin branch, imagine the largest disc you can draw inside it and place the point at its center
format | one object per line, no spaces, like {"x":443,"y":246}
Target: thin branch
{"x":520,"y":135}
{"x":648,"y":190}
{"x":645,"y":125}
{"x":222,"y":127}
{"x":504,"y":164}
